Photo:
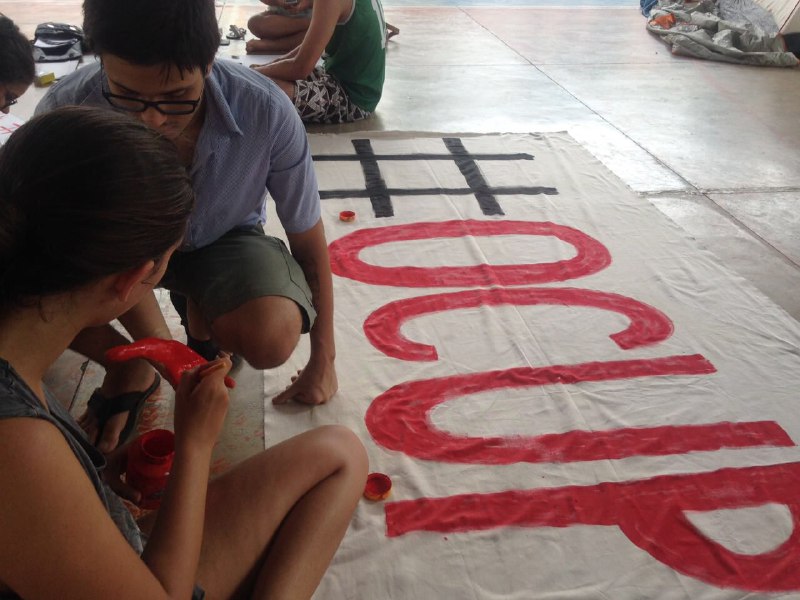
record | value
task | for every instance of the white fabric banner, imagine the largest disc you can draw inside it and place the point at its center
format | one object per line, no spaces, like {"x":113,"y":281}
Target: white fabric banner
{"x":8,"y":125}
{"x":572,"y":399}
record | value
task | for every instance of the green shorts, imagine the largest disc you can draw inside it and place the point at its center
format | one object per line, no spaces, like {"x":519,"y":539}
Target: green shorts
{"x":242,"y":265}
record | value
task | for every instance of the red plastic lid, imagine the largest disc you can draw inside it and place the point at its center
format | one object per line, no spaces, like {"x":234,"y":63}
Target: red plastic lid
{"x":378,"y":487}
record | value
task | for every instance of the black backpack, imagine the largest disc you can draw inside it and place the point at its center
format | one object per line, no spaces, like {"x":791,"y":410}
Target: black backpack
{"x":56,"y":42}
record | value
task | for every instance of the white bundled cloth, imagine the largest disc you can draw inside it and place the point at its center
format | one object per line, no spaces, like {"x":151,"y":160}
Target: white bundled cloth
{"x":728,"y":31}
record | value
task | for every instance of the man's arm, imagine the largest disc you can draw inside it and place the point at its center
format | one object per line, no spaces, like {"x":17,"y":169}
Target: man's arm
{"x":286,"y":57}
{"x":317,"y":382}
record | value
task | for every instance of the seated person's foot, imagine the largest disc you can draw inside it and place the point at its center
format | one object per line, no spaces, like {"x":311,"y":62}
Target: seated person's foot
{"x":258,"y":46}
{"x":391,"y":31}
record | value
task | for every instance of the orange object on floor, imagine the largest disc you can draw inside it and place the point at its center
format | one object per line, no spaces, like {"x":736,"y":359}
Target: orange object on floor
{"x":664,"y":21}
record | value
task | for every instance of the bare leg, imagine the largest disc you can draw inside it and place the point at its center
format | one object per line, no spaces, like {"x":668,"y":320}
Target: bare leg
{"x":198,"y":328}
{"x":144,"y":320}
{"x":128,"y":377}
{"x":264,"y":331}
{"x":274,"y":522}
{"x":268,"y":26}
{"x":274,"y":45}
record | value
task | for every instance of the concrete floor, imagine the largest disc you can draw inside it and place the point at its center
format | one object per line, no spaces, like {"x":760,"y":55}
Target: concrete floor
{"x":716,"y":147}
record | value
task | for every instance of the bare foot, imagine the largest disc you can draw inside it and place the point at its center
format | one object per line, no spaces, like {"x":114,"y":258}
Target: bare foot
{"x":258,"y":46}
{"x":134,"y":376}
{"x":316,"y":384}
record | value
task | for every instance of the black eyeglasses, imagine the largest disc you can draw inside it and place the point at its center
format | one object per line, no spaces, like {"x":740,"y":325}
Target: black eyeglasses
{"x":165,"y":107}
{"x":9,"y":103}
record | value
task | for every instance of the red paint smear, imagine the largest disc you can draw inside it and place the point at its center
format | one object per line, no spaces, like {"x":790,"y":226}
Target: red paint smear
{"x":650,"y":512}
{"x":591,"y":256}
{"x":399,"y":419}
{"x":647,"y":324}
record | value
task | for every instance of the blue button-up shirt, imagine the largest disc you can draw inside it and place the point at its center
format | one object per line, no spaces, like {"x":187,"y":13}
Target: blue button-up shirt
{"x":251,"y":142}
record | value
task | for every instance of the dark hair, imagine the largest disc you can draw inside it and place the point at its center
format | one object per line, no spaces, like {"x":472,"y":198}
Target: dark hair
{"x":16,"y":55}
{"x":85,"y":193}
{"x":183,"y":33}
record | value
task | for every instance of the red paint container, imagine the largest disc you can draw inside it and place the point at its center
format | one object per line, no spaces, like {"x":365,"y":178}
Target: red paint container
{"x":378,"y":487}
{"x":149,"y":464}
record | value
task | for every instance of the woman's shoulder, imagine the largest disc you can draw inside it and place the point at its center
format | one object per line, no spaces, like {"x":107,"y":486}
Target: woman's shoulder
{"x":37,"y":464}
{"x":32,"y":451}
{"x":16,"y":398}
{"x":27,"y":439}
{"x":50,"y":514}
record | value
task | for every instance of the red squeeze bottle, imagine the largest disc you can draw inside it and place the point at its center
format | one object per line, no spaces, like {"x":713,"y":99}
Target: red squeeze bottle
{"x":149,"y":463}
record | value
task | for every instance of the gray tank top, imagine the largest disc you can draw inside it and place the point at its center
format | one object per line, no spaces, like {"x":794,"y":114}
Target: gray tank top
{"x":18,"y":400}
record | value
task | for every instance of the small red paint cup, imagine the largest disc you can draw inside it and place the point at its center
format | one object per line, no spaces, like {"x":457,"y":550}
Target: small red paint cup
{"x":149,"y":464}
{"x":378,"y":487}
{"x":347,"y":216}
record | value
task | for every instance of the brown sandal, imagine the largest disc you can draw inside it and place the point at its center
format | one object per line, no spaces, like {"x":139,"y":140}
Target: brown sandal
{"x":391,"y":31}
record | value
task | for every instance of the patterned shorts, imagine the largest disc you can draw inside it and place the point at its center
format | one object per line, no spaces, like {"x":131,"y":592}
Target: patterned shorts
{"x":319,"y":98}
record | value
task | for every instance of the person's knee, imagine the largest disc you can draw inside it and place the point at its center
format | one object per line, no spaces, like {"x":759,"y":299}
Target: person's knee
{"x":345,"y":447}
{"x":264,"y":332}
{"x":254,"y":25}
{"x":269,"y":350}
{"x":259,"y":25}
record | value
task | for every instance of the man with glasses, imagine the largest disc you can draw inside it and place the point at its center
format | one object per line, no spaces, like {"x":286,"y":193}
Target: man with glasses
{"x":17,"y":68}
{"x":237,"y":289}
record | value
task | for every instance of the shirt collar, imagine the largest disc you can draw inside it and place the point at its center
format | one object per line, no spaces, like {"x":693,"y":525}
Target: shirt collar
{"x":219,"y":124}
{"x":218,"y":112}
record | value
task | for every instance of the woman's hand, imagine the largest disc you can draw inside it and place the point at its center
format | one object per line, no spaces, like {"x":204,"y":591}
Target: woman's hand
{"x":201,"y":402}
